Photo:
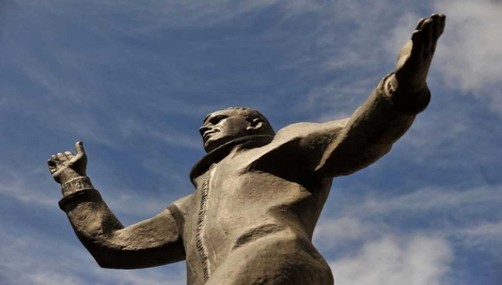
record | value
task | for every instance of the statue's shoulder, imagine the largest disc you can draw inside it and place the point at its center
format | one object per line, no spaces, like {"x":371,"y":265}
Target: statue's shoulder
{"x":308,"y":129}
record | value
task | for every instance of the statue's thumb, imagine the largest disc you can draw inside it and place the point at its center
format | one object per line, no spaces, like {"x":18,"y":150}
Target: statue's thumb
{"x":79,"y":146}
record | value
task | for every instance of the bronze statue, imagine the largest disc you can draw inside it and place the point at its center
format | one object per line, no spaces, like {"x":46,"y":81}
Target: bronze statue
{"x":258,"y":193}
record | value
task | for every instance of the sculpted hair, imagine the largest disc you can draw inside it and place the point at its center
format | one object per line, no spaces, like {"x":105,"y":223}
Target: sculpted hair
{"x":252,"y":114}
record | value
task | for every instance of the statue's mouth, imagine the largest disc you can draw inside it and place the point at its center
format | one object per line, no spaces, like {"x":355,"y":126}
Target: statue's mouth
{"x":208,"y":134}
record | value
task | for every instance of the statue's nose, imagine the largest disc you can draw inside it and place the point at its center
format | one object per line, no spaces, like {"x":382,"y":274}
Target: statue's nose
{"x":203,"y":129}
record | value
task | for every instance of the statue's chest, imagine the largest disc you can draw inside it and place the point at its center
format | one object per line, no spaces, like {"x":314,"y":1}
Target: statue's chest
{"x":212,"y":220}
{"x":226,"y":175}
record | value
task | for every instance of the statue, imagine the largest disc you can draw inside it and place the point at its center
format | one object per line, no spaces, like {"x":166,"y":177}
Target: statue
{"x":258,"y":194}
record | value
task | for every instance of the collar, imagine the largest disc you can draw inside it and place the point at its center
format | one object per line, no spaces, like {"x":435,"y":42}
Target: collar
{"x":220,"y":152}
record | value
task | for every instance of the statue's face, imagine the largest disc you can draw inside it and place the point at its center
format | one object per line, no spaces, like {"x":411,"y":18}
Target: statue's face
{"x":223,"y":126}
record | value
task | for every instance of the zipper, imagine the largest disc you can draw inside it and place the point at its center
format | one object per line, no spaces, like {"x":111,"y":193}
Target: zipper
{"x":201,"y":222}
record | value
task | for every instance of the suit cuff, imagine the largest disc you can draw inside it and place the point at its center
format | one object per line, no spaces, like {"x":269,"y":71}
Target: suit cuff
{"x":87,"y":195}
{"x":407,"y":102}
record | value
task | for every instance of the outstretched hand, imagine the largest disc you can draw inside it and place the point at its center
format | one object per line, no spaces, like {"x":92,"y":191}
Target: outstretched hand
{"x":64,"y":166}
{"x":416,"y":55}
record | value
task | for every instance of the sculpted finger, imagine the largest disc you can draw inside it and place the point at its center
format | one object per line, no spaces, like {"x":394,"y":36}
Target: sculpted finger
{"x":418,"y":44}
{"x":420,"y":23}
{"x":52,"y":165}
{"x":68,"y":155}
{"x":63,"y":159}
{"x":427,"y":37}
{"x":441,"y":24}
{"x":437,"y":25}
{"x":79,"y":146}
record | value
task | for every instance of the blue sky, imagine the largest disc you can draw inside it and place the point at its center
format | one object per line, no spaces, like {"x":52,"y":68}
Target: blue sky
{"x":134,"y":79}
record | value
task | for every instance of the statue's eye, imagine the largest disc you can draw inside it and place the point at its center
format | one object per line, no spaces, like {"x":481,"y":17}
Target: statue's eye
{"x":216,"y":119}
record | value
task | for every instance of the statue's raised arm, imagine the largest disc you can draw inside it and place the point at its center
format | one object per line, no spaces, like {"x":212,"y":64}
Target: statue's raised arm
{"x":356,"y":142}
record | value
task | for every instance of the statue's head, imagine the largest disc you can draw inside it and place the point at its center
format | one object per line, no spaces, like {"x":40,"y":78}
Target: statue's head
{"x":225,"y":125}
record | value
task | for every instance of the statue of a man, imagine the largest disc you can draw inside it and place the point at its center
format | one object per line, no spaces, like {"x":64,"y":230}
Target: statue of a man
{"x":258,"y":194}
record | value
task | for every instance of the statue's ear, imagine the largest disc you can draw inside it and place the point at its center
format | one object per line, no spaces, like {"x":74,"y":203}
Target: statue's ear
{"x":255,"y":125}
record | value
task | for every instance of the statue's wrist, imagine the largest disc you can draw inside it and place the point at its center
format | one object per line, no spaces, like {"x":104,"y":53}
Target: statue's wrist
{"x":405,"y":98}
{"x":395,"y":85}
{"x":67,"y":174}
{"x":76,"y":184}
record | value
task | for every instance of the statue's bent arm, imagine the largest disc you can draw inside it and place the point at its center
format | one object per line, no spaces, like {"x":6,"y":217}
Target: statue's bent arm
{"x":152,"y":242}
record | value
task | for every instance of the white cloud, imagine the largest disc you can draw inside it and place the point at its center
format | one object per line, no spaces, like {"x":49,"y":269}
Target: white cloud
{"x":357,"y":222}
{"x":482,"y":237}
{"x":335,"y":233}
{"x":47,"y":260}
{"x":471,"y":53}
{"x":338,"y":99}
{"x":135,"y":128}
{"x":132,"y":202}
{"x":425,"y":200}
{"x":469,"y":56}
{"x":160,"y":14}
{"x":491,"y":230}
{"x":376,"y":248}
{"x":19,"y":184}
{"x":419,"y":260}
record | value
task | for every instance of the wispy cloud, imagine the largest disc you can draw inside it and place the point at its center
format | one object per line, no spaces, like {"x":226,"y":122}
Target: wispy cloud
{"x":371,"y":246}
{"x":426,"y":200}
{"x":487,"y":230}
{"x":63,"y":262}
{"x":139,"y":130}
{"x":418,"y":260}
{"x":25,"y":184}
{"x":471,"y":55}
{"x":358,"y":220}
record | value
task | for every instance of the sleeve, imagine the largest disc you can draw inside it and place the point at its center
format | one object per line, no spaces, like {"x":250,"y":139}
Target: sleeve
{"x":345,"y":146}
{"x":152,"y":242}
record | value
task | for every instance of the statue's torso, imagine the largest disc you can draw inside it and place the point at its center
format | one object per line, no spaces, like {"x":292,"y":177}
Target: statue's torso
{"x":249,"y":195}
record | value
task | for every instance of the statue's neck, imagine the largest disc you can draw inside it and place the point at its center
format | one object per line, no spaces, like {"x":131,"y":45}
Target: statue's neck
{"x":222,"y":151}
